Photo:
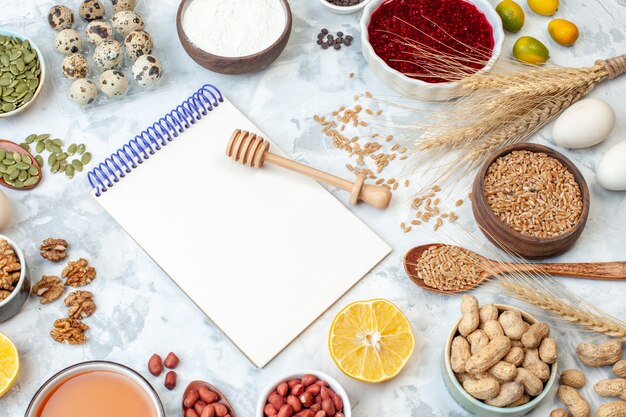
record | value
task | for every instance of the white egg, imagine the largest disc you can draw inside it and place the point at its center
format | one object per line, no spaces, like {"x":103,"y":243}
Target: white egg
{"x":611,"y":172}
{"x":585,"y":123}
{"x":5,"y":211}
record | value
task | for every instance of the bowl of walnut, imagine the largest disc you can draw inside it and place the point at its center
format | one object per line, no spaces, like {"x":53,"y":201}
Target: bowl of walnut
{"x":14,"y":279}
{"x":498,"y":360}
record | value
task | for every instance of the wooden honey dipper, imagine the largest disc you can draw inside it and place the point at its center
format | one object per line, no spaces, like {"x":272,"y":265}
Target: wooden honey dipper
{"x":253,"y":151}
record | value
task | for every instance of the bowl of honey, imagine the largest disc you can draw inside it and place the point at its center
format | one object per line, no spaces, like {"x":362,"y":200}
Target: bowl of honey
{"x":96,"y":389}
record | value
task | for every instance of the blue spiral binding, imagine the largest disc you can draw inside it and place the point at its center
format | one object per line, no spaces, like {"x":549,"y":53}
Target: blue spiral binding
{"x":168,"y":127}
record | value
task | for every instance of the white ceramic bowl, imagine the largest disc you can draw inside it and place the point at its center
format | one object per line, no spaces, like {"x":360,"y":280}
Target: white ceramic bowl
{"x":479,"y":408}
{"x":345,"y":9}
{"x":42,"y":76}
{"x":51,"y":384}
{"x":332,"y":383}
{"x":418,"y":88}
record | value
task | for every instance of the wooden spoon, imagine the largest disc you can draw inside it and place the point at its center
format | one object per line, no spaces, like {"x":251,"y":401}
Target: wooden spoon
{"x":597,"y":271}
{"x":194,"y":385}
{"x":9,"y":146}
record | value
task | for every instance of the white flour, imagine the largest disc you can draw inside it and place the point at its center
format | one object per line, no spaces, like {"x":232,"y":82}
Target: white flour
{"x":234,"y":28}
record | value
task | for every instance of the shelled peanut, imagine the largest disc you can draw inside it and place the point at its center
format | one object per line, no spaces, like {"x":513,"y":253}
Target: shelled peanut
{"x":305,"y":397}
{"x":201,"y":401}
{"x":498,"y":357}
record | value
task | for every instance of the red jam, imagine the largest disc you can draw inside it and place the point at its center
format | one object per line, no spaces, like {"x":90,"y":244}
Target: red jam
{"x":401,"y":30}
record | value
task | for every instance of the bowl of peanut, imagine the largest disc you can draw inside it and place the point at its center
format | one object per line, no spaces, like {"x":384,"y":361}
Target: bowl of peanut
{"x":304,"y":394}
{"x":498,"y":360}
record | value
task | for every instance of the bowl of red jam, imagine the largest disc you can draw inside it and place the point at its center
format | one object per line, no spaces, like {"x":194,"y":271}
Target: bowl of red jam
{"x":423,"y":48}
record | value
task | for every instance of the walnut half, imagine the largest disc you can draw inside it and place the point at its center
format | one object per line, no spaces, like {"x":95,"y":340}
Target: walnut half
{"x":49,"y":288}
{"x":54,"y":249}
{"x":78,"y":273}
{"x":80,"y":304}
{"x":69,"y":331}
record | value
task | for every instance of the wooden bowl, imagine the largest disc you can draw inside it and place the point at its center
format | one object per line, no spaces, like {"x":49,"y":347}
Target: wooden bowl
{"x":503,"y":236}
{"x":234,"y":65}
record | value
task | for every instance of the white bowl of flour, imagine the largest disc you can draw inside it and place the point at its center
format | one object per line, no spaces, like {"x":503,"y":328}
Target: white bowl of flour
{"x":234,"y":37}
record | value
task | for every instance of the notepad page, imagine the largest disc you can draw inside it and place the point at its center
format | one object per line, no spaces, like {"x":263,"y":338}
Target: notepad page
{"x":262,"y":252}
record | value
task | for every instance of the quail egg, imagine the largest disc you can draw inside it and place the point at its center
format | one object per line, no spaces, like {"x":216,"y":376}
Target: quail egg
{"x":91,"y":10}
{"x":68,"y":42}
{"x":123,"y":5}
{"x":98,"y":31}
{"x":138,"y":43}
{"x":83,"y":91}
{"x":108,"y":54}
{"x":147,"y":71}
{"x":60,"y":17}
{"x":75,"y":66}
{"x":127,"y":21}
{"x":113,"y":83}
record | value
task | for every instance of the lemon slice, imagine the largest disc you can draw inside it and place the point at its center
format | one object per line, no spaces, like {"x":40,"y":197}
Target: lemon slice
{"x":9,"y":364}
{"x":371,"y":341}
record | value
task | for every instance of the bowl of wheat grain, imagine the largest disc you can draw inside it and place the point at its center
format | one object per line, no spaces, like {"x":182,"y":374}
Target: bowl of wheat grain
{"x":530,"y":200}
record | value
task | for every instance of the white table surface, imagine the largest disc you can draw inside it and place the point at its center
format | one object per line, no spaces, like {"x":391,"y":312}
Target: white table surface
{"x":140,"y":311}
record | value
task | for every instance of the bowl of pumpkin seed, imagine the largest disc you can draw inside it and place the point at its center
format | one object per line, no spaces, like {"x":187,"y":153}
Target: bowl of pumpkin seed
{"x":22,"y":73}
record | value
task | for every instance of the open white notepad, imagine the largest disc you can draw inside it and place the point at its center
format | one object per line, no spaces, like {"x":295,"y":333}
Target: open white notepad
{"x":262,"y":252}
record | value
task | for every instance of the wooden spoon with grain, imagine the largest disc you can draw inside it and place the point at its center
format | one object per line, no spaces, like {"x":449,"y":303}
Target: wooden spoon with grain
{"x":596,"y":270}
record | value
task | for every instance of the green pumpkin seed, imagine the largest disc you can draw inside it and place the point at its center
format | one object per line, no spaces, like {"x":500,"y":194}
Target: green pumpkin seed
{"x":62,"y":156}
{"x":18,"y":184}
{"x":40,"y":147}
{"x":26,"y":159}
{"x":57,"y":142}
{"x":69,"y":171}
{"x":28,"y":97}
{"x":6,"y":178}
{"x":33,"y":170}
{"x":30,"y":138}
{"x":8,"y":107}
{"x":52,"y":159}
{"x":11,"y":169}
{"x":4,"y":60}
{"x":23,"y":176}
{"x":72,"y":149}
{"x":45,"y":136}
{"x":55,"y":167}
{"x":22,"y":166}
{"x":80,"y":149}
{"x":3,"y":154}
{"x":54,"y":149}
{"x":17,"y":156}
{"x":7,"y":161}
{"x":39,"y":160}
{"x":86,"y":158}
{"x":21,"y":87}
{"x":25,"y":146}
{"x":31,"y":181}
{"x":13,"y":175}
{"x":78,"y":166}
